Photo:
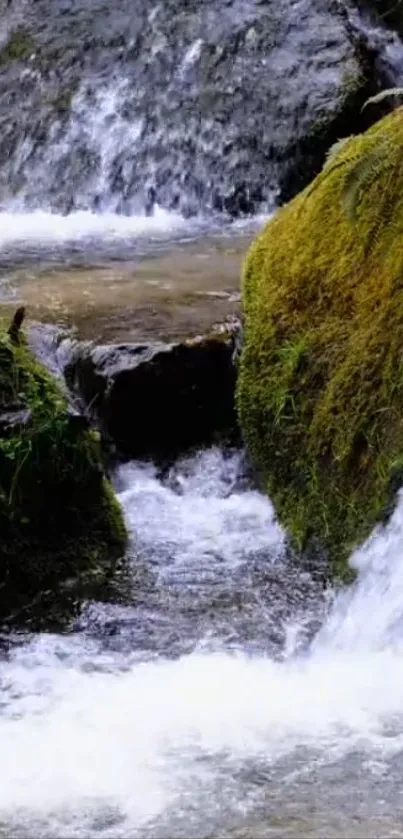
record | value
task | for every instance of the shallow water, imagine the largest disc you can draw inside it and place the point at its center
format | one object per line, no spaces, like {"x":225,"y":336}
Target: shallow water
{"x":117,"y":279}
{"x":86,"y":237}
{"x":235,"y":697}
{"x":182,"y":291}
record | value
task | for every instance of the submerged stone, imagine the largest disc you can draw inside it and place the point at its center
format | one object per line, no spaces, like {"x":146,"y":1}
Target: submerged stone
{"x":59,"y":518}
{"x":320,"y":393}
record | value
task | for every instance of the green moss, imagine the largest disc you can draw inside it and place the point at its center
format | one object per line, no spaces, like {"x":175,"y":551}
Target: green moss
{"x":19,"y":47}
{"x":61,"y":101}
{"x":320,"y":392}
{"x":59,"y":517}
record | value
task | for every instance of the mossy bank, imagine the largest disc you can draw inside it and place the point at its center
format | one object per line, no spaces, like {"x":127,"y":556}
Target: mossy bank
{"x":320,"y":392}
{"x":59,"y":518}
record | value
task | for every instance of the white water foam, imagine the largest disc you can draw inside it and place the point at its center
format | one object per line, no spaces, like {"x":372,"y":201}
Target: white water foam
{"x":202,"y":516}
{"x":45,"y":227}
{"x":40,"y":230}
{"x":93,"y":745}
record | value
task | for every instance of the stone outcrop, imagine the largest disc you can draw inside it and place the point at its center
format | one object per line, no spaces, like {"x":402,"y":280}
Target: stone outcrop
{"x":194,"y":106}
{"x":157,"y":400}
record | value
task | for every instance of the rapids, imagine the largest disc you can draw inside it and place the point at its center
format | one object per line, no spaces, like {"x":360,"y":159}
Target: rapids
{"x":235,"y":697}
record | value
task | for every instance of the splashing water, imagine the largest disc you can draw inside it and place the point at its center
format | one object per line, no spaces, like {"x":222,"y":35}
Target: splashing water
{"x":24,"y":235}
{"x":91,"y":237}
{"x":102,"y":740}
{"x":44,"y":227}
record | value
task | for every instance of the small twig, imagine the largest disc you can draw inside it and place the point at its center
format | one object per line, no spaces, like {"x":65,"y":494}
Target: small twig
{"x":16,"y":323}
{"x":390,"y":11}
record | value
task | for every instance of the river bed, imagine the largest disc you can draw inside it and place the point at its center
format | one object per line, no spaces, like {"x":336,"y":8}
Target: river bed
{"x":123,"y":280}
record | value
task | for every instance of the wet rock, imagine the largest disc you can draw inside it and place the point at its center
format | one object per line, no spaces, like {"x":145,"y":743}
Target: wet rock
{"x":192,"y":105}
{"x":160,"y":399}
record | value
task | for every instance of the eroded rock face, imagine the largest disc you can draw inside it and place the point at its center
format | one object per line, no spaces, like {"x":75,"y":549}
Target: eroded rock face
{"x":158,"y":400}
{"x":193,"y":105}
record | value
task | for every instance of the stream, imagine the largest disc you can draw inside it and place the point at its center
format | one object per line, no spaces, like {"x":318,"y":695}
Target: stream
{"x":235,"y":697}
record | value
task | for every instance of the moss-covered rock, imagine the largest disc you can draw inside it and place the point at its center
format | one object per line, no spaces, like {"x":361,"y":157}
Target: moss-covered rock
{"x":59,"y":518}
{"x":320,"y":393}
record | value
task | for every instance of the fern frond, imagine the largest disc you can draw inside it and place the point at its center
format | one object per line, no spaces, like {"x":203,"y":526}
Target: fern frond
{"x":326,"y":171}
{"x":382,"y":217}
{"x":331,"y":164}
{"x":389,"y":93}
{"x":362,"y":176}
{"x":334,"y":150}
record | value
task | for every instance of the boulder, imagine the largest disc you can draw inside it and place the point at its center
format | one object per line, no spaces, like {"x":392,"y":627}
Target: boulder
{"x":194,"y":106}
{"x":158,"y":400}
{"x":59,"y":518}
{"x":320,"y":392}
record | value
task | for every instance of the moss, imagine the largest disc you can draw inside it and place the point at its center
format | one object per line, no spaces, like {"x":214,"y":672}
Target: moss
{"x":59,"y":517}
{"x":320,"y":392}
{"x":61,"y":101}
{"x":19,"y":47}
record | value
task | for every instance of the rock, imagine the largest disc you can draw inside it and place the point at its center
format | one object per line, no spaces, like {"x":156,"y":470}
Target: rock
{"x":320,"y":393}
{"x":59,"y":518}
{"x":157,"y":400}
{"x":195,"y":106}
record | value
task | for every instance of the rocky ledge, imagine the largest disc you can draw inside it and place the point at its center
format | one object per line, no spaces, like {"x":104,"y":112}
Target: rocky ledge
{"x":158,"y":399}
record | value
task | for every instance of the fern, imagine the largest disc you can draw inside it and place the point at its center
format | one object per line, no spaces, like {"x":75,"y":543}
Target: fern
{"x":389,"y":12}
{"x":362,"y":176}
{"x":330,"y":165}
{"x":389,"y":93}
{"x":326,"y":171}
{"x":334,"y":150}
{"x":365,"y":171}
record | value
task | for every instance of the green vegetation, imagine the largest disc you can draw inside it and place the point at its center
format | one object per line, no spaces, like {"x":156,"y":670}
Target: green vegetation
{"x":19,"y":47}
{"x":63,"y":99}
{"x":320,"y":393}
{"x":59,"y":518}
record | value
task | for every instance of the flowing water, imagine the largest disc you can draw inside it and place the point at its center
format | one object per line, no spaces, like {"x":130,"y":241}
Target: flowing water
{"x":116,"y":279}
{"x":193,"y":105}
{"x":234,"y":697}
